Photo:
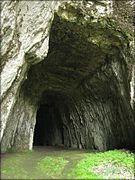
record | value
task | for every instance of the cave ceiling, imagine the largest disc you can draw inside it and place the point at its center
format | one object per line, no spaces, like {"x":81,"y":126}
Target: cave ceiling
{"x":80,"y":53}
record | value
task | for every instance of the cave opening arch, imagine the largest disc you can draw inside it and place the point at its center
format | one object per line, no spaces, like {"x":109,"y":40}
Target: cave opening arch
{"x":88,"y":76}
{"x":85,"y":62}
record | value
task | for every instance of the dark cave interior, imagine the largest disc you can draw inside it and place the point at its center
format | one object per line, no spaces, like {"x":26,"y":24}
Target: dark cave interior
{"x":82,"y":90}
{"x":49,"y":127}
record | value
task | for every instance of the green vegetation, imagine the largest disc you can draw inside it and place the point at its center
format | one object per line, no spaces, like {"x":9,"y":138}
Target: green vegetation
{"x":52,"y":166}
{"x":85,"y":168}
{"x":68,"y":164}
{"x":13,"y":167}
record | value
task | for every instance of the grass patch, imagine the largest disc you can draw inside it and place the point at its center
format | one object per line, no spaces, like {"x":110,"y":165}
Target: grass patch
{"x":85,"y":168}
{"x":12,"y":168}
{"x":68,"y":164}
{"x":52,"y":166}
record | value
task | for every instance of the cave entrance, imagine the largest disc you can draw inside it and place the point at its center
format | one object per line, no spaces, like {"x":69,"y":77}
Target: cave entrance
{"x":49,"y":127}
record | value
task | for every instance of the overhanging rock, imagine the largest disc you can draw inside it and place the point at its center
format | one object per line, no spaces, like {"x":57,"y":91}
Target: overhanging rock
{"x":84,"y":78}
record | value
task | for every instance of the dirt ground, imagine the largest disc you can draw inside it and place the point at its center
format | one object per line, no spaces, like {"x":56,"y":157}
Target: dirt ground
{"x":27,"y":162}
{"x":59,"y":164}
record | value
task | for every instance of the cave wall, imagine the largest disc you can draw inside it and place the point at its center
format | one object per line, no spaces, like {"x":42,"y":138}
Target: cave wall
{"x":100,"y":118}
{"x":96,"y":114}
{"x":20,"y":125}
{"x":98,"y":90}
{"x":25,"y":37}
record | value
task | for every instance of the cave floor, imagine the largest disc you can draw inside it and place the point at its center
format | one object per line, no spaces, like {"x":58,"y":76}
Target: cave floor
{"x":59,"y":163}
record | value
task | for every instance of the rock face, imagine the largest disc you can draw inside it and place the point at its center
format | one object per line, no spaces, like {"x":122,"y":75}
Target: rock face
{"x":25,"y":33}
{"x":69,"y":74}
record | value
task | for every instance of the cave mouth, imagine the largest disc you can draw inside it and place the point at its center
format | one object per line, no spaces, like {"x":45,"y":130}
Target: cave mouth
{"x":78,"y":89}
{"x":49,"y":126}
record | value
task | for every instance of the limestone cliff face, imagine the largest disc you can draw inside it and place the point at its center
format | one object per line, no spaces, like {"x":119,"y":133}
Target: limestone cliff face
{"x":78,"y":61}
{"x":25,"y":33}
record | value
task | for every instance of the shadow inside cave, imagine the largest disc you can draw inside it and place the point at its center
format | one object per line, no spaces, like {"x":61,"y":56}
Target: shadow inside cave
{"x":48,"y":128}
